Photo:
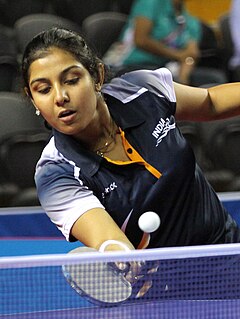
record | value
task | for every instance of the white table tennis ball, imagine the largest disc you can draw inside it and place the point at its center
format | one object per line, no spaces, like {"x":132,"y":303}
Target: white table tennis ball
{"x":149,"y":222}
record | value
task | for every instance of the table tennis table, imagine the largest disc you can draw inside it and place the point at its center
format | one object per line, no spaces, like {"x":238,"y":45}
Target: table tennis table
{"x":203,"y":282}
{"x":36,"y":295}
{"x":151,"y":310}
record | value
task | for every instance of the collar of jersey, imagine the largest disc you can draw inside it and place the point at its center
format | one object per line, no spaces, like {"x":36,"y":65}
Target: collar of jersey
{"x":123,"y":90}
{"x":125,"y":116}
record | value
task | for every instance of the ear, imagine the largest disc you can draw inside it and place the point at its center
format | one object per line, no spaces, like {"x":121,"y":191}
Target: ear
{"x":26,"y":91}
{"x":101,"y":74}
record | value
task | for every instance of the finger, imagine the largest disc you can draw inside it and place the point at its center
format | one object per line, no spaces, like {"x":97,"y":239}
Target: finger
{"x":123,"y":266}
{"x":146,"y":286}
{"x":135,"y":271}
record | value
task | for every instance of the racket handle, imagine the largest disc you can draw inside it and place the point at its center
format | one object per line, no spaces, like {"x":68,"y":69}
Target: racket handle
{"x":113,"y":242}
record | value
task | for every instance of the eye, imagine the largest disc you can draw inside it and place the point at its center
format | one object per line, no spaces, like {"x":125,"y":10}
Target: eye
{"x":72,"y":81}
{"x":44,"y":90}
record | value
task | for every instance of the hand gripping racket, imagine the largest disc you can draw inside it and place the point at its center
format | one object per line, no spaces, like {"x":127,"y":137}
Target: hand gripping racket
{"x":99,"y":282}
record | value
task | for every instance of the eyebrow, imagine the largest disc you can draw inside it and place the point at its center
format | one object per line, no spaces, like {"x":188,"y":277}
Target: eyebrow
{"x":62,"y":74}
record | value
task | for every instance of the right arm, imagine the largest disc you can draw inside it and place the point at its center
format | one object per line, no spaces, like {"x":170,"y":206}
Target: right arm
{"x":71,"y":205}
{"x":95,"y":227}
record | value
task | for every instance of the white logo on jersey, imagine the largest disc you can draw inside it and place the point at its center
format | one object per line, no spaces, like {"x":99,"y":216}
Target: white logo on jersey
{"x":109,"y":189}
{"x":162,"y":129}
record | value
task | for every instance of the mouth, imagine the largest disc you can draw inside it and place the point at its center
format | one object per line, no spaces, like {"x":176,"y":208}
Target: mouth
{"x":66,"y":113}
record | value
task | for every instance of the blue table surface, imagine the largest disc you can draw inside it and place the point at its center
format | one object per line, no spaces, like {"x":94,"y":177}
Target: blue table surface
{"x":23,"y":247}
{"x":28,"y":230}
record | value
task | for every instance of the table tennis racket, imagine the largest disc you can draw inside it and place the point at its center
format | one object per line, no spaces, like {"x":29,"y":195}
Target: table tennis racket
{"x":98,"y":282}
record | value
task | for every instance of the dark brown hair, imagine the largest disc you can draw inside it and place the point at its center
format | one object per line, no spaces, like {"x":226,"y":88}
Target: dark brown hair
{"x":64,"y":39}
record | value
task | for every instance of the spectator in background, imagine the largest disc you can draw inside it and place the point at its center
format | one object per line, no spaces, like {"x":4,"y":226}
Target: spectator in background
{"x":161,"y":33}
{"x":234,"y":18}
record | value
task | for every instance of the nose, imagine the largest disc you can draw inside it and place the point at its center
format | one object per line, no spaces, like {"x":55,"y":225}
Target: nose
{"x":61,"y":96}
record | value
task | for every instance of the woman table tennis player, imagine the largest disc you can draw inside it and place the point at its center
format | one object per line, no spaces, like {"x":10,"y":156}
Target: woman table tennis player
{"x":116,"y":151}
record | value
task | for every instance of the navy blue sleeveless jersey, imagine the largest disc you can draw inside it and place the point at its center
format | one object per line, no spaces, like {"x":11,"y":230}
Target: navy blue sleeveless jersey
{"x":71,"y":180}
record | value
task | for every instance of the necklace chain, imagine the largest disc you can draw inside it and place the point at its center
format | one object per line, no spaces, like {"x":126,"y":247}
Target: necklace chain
{"x":103,"y":149}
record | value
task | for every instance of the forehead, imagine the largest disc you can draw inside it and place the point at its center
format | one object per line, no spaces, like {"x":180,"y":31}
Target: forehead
{"x":54,"y":60}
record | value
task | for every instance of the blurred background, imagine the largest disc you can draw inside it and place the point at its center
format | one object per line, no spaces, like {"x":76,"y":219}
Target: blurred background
{"x":23,"y":135}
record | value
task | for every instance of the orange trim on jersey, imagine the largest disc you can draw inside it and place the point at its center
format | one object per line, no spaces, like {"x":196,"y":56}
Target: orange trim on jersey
{"x":144,"y":241}
{"x":134,"y":157}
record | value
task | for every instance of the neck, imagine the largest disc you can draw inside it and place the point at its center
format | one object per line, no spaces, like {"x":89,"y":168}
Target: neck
{"x":100,"y":134}
{"x":107,"y":142}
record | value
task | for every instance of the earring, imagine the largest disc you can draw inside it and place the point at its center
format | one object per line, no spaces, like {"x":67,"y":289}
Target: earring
{"x":37,"y":112}
{"x":98,"y":94}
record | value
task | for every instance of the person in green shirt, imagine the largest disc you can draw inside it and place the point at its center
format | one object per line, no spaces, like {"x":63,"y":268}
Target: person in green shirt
{"x":160,"y":33}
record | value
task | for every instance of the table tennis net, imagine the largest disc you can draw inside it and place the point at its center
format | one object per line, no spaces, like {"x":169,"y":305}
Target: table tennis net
{"x":187,"y":282}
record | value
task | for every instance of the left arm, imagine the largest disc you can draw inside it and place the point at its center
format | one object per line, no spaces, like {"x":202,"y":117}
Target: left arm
{"x":206,"y":104}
